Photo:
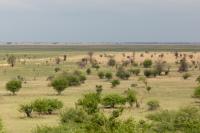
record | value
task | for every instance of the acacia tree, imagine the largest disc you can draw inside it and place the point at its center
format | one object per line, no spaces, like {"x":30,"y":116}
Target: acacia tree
{"x":11,"y":60}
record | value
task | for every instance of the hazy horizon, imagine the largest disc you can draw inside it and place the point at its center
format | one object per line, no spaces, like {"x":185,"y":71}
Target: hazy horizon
{"x":100,"y":21}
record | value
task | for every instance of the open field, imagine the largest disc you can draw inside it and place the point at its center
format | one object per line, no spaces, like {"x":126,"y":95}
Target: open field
{"x":36,"y":63}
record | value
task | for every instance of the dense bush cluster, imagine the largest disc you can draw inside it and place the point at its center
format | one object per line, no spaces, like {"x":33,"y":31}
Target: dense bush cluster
{"x":186,"y":120}
{"x":107,"y":75}
{"x":135,"y":71}
{"x":87,"y":118}
{"x":41,"y":106}
{"x":61,"y":82}
{"x":123,"y":74}
{"x":150,"y":73}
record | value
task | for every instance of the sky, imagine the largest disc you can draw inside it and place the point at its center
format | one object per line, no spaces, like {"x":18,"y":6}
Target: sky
{"x":100,"y":20}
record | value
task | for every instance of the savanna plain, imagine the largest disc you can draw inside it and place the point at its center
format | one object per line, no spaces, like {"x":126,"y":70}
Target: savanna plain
{"x":157,"y":78}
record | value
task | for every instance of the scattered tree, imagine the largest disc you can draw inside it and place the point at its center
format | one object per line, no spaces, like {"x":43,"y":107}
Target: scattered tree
{"x":11,"y":60}
{"x":14,"y":86}
{"x":111,"y":100}
{"x":59,"y":84}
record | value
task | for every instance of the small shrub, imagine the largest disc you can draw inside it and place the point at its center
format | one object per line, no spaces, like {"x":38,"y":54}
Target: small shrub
{"x":99,"y":89}
{"x":147,"y":73}
{"x":27,"y":109}
{"x":101,"y":75}
{"x":123,"y":74}
{"x":89,"y":102}
{"x":111,"y":62}
{"x":115,"y":82}
{"x":198,"y":79}
{"x":131,"y":97}
{"x":197,"y":92}
{"x":108,"y":75}
{"x":186,"y":75}
{"x":153,"y":104}
{"x":14,"y":86}
{"x":111,"y":100}
{"x":183,"y":66}
{"x":147,"y":63}
{"x":57,"y":69}
{"x":135,"y":71}
{"x":88,"y":71}
{"x":150,"y":72}
{"x":148,"y":88}
{"x":95,"y":65}
{"x":74,"y":116}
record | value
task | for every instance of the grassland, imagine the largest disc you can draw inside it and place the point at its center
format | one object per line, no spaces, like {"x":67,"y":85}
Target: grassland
{"x":172,"y":91}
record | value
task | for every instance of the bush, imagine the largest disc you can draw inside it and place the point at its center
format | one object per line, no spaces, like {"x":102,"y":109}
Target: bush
{"x":74,"y":116}
{"x":198,"y":79}
{"x":57,"y":69}
{"x":101,"y":75}
{"x":137,"y":71}
{"x":131,"y":97}
{"x":14,"y":86}
{"x":134,"y":71}
{"x":11,"y":60}
{"x":148,"y":88}
{"x":147,"y":63}
{"x":111,"y":62}
{"x":59,"y":84}
{"x":88,"y":71}
{"x":123,"y":74}
{"x":95,"y":65}
{"x":46,"y":106}
{"x":186,"y":75}
{"x":150,"y":72}
{"x":108,"y":75}
{"x":89,"y":102}
{"x":153,"y":104}
{"x":53,"y":104}
{"x":147,"y":73}
{"x":115,"y":82}
{"x":111,"y":100}
{"x":197,"y":92}
{"x":186,"y":120}
{"x":27,"y":109}
{"x":183,"y":66}
{"x":160,"y":67}
{"x":99,"y":89}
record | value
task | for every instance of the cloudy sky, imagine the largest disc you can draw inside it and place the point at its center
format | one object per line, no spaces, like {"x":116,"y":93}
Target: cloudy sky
{"x":100,"y":20}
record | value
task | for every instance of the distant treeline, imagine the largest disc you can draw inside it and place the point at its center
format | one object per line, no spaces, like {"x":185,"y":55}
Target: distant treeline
{"x":103,"y":47}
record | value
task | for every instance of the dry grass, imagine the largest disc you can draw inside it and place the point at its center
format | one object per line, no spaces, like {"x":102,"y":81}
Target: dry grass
{"x":171,"y":91}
